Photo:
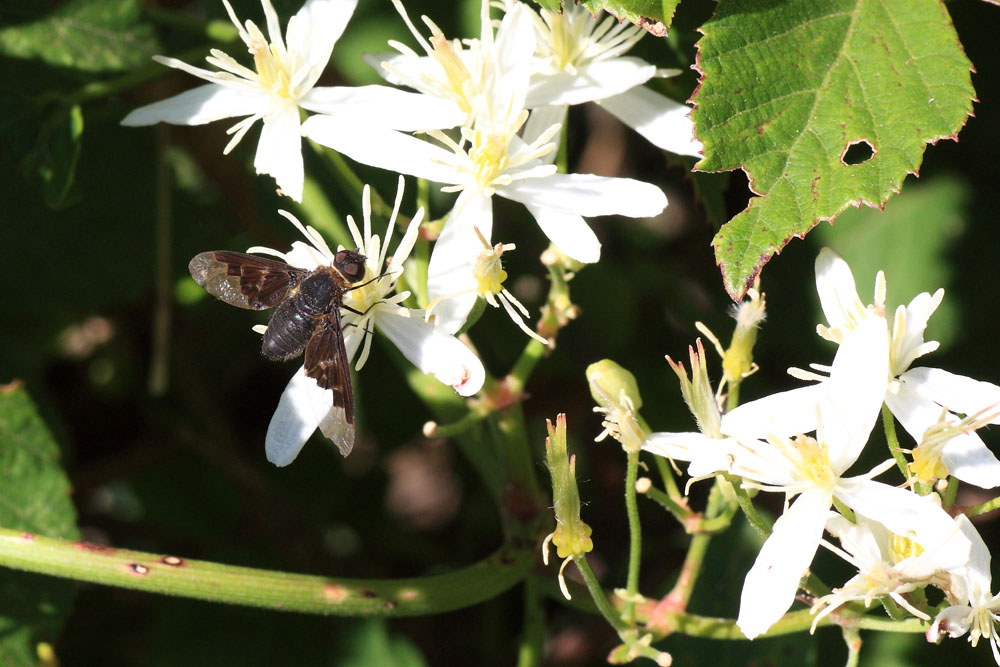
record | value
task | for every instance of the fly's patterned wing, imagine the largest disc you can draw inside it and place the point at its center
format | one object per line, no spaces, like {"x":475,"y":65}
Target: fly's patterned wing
{"x":245,"y":281}
{"x":326,"y":362}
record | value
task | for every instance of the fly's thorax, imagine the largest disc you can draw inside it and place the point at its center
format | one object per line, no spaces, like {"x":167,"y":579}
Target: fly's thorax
{"x":319,"y":290}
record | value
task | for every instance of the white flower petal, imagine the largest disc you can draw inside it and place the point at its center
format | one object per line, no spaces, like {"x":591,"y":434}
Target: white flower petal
{"x":301,"y":408}
{"x":978,"y":568}
{"x":970,"y":460}
{"x":786,"y":413}
{"x":539,"y":122}
{"x":707,"y":455}
{"x":382,"y":148}
{"x":588,"y":195}
{"x":450,"y":269}
{"x":513,"y":48}
{"x":966,"y":455}
{"x":770,"y":586}
{"x":279,"y":152}
{"x":908,"y":515}
{"x":593,"y":81}
{"x":200,"y":105}
{"x":436,"y":352}
{"x":838,"y":294}
{"x":384,"y":107}
{"x":857,"y":386}
{"x":663,"y":122}
{"x":569,"y":232}
{"x":317,"y":27}
{"x":958,"y":393}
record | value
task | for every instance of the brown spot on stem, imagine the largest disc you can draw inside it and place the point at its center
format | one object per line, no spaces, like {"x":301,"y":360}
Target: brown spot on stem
{"x":335,"y":593}
{"x":408,"y":594}
{"x":172,"y":561}
{"x":96,"y":548}
{"x":139,"y":568}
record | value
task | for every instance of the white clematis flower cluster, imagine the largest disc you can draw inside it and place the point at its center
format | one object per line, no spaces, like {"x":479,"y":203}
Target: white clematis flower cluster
{"x":803,"y":442}
{"x":482,"y":117}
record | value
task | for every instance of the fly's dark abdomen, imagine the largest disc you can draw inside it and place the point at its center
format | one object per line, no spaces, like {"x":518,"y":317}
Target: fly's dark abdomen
{"x":295,"y":318}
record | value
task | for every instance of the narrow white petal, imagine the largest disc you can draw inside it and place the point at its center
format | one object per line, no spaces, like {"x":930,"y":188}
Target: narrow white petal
{"x":300,"y":409}
{"x":279,"y":152}
{"x":663,"y":122}
{"x":384,"y":107}
{"x":318,"y":26}
{"x":433,"y":351}
{"x":200,"y":105}
{"x":513,"y":49}
{"x":908,"y":515}
{"x":978,"y":567}
{"x":838,"y":295}
{"x":450,"y":269}
{"x":569,"y":232}
{"x":594,"y":81}
{"x":770,"y":586}
{"x":786,"y":413}
{"x":380,"y":147}
{"x":857,"y":386}
{"x":589,"y":195}
{"x":539,"y":122}
{"x":970,"y":460}
{"x":707,"y":455}
{"x":958,"y":393}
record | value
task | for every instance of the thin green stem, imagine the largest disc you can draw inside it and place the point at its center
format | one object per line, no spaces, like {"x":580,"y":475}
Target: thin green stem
{"x":531,"y":651}
{"x":982,"y":508}
{"x":635,"y":537}
{"x":533,"y":352}
{"x":852,"y":638}
{"x":281,"y":591}
{"x":604,"y":606}
{"x":889,"y":423}
{"x":681,"y":513}
{"x":759,"y":523}
{"x":733,"y":399}
{"x":948,"y":496}
{"x":669,"y":481}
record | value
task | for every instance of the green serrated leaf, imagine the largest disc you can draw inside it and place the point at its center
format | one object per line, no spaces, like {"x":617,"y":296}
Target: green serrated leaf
{"x":34,"y":497}
{"x":85,"y":35}
{"x":551,"y":5}
{"x":788,"y":88}
{"x":653,"y":15}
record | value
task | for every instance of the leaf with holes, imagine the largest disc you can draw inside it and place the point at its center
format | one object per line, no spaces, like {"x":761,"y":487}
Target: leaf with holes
{"x":34,"y":497}
{"x":823,"y":105}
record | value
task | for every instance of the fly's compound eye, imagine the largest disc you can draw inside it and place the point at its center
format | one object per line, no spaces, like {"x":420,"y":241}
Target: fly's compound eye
{"x":351,"y":265}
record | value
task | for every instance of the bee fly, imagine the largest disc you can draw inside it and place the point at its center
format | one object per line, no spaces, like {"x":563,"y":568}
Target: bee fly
{"x":307,"y":317}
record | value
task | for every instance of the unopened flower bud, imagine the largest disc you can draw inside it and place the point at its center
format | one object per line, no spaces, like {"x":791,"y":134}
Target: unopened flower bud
{"x":616,"y":393}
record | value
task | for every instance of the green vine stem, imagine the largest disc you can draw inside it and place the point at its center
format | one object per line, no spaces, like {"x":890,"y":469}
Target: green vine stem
{"x":982,"y":508}
{"x":216,"y":582}
{"x":890,"y":437}
{"x":635,"y":537}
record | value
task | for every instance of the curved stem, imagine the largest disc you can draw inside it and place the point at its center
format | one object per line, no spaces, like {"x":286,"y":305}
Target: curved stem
{"x":635,"y":537}
{"x":216,"y":582}
{"x":890,"y":437}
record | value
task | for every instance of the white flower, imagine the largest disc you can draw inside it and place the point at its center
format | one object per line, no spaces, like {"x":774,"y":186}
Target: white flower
{"x":581,"y":58}
{"x":369,"y":306}
{"x":491,"y":159}
{"x":982,"y":613}
{"x":917,"y":397}
{"x":845,"y":408}
{"x":459,"y":71}
{"x":489,"y":276}
{"x":283,"y":79}
{"x":887,"y":565}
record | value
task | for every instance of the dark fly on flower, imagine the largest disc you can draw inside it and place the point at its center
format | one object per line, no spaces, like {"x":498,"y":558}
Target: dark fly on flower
{"x":306,"y":317}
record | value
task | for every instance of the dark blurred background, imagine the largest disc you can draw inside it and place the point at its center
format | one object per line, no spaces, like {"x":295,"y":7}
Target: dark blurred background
{"x":159,"y":398}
